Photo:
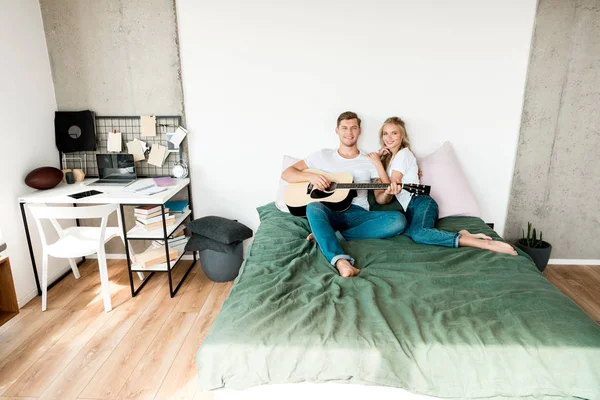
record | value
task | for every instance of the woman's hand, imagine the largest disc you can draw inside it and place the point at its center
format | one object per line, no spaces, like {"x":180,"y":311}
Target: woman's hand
{"x":319,"y":181}
{"x":393,"y":189}
{"x":375,"y":158}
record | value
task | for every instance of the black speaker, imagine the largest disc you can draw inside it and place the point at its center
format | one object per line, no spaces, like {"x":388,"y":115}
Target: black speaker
{"x":75,"y":131}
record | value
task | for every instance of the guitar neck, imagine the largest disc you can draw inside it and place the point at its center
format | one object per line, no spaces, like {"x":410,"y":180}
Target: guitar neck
{"x":363,"y":186}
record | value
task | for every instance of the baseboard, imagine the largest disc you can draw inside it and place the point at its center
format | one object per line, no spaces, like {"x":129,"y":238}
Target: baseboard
{"x":566,"y":261}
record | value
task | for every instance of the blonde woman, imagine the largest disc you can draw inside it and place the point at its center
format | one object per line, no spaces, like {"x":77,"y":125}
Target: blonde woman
{"x":397,"y":163}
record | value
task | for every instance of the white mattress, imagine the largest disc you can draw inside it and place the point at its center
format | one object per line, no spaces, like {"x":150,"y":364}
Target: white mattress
{"x":314,"y":391}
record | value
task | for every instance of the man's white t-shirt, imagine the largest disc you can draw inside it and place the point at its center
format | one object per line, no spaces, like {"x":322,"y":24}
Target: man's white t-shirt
{"x":406,"y":163}
{"x":361,"y":167}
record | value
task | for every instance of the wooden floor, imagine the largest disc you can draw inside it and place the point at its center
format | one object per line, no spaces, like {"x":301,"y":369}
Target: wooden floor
{"x":581,"y":283}
{"x":145,"y":347}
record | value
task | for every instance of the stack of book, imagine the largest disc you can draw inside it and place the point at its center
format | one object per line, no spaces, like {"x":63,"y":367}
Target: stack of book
{"x":178,"y":238}
{"x":154,"y":256}
{"x":177,"y":206}
{"x":151,"y":217}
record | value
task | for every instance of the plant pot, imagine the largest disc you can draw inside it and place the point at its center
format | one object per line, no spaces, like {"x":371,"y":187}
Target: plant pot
{"x":539,"y":255}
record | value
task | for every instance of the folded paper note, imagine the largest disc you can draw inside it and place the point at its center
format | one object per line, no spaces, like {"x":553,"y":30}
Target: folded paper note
{"x":157,"y":155}
{"x":148,"y":125}
{"x":135,"y":148}
{"x":177,"y":137}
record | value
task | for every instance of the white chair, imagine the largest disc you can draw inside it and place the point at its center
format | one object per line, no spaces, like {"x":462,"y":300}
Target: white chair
{"x":75,"y":242}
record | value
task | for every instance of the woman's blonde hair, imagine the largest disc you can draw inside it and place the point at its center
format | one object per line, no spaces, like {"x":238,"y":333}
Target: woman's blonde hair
{"x":386,"y":156}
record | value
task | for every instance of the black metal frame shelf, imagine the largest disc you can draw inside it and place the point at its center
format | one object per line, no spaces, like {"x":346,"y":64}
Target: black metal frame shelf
{"x":164,"y":237}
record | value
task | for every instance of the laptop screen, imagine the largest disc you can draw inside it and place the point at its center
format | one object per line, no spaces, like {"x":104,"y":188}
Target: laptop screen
{"x":116,"y":166}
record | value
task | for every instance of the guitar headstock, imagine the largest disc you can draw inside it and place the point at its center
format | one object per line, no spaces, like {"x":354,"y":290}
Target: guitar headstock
{"x":417,"y":189}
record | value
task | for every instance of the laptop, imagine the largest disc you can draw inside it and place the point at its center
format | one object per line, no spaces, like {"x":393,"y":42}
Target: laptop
{"x":115,"y":170}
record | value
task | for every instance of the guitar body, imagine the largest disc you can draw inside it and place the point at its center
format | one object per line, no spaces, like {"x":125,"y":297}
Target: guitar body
{"x":299,"y":195}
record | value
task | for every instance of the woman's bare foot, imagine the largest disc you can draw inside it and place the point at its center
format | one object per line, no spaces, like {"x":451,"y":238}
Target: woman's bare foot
{"x":345,"y":268}
{"x":310,"y":237}
{"x":500,"y":247}
{"x":492,"y":245}
{"x":465,"y":232}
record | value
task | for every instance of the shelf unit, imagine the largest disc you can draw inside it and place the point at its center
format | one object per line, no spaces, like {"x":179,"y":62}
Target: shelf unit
{"x":139,"y":233}
{"x":163,"y":233}
{"x":163,"y":266}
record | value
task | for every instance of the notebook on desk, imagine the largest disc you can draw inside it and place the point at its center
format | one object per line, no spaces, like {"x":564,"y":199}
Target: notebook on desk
{"x":115,"y":170}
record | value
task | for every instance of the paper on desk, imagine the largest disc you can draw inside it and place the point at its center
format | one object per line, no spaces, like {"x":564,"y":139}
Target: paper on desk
{"x":177,"y":137}
{"x":148,"y":125}
{"x":135,"y":148}
{"x":157,"y":155}
{"x":114,"y":141}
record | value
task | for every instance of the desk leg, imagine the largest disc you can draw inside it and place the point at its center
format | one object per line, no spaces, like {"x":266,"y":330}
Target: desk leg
{"x":127,"y":255}
{"x":31,"y":255}
{"x":77,"y":222}
{"x":189,"y":190}
{"x":166,"y":239}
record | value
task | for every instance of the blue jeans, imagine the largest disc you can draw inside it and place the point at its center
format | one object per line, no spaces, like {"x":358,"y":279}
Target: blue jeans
{"x":354,"y":223}
{"x":421,"y":214}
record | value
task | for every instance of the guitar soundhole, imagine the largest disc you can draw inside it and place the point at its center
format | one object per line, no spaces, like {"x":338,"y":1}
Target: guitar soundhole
{"x":318,"y":194}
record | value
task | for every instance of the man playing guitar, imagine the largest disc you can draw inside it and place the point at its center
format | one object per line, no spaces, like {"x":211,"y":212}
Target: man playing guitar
{"x":357,"y":222}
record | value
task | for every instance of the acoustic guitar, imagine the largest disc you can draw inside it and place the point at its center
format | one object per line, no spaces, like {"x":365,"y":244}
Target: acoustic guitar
{"x":338,"y":196}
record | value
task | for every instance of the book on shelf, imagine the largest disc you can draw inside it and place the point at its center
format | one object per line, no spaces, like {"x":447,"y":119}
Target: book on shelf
{"x":148,"y":216}
{"x":155,"y":225}
{"x":145,"y":210}
{"x":154,"y":256}
{"x":155,"y":219}
{"x":177,"y":207}
{"x":174,"y":242}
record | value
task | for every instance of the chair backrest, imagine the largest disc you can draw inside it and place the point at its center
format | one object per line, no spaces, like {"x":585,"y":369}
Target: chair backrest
{"x":85,"y":212}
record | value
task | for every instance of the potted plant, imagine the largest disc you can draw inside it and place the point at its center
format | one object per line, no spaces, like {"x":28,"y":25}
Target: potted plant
{"x":537,"y":249}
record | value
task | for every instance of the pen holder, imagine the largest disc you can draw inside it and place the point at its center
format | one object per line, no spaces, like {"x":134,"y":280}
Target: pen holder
{"x":69,"y":178}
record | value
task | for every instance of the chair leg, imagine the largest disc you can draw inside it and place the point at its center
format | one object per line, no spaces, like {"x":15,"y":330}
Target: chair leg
{"x":44,"y":281}
{"x":74,"y":268}
{"x":104,"y":281}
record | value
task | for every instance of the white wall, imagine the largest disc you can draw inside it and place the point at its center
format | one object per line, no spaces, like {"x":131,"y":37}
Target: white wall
{"x":264,"y":79}
{"x":27,"y":108}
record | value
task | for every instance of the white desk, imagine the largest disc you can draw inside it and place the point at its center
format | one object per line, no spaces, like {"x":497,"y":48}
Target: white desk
{"x":110,"y":194}
{"x":124,"y":196}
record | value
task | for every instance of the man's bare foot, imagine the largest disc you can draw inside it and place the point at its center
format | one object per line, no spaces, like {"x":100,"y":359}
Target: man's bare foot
{"x":310,"y":237}
{"x":500,"y":247}
{"x":465,"y":232}
{"x":345,"y":268}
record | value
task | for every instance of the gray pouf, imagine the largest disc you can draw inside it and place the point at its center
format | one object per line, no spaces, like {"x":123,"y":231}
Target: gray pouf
{"x":222,"y":267}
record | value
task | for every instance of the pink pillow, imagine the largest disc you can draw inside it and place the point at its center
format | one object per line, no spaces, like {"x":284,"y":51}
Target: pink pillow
{"x":280,"y":201}
{"x":449,"y":186}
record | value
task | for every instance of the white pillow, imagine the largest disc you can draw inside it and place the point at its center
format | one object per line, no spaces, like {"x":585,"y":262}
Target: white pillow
{"x":280,"y":201}
{"x":449,"y":186}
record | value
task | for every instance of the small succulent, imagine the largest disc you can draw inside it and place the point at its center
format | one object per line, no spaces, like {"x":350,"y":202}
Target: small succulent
{"x":531,"y":239}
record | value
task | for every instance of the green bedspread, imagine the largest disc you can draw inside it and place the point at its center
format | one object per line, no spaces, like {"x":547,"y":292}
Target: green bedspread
{"x":462,"y":323}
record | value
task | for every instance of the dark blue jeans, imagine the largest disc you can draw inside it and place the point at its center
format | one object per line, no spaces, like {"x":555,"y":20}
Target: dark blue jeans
{"x":354,"y":223}
{"x":421,"y":214}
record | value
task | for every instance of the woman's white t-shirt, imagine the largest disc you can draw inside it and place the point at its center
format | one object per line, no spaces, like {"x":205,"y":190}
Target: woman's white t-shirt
{"x":406,"y":163}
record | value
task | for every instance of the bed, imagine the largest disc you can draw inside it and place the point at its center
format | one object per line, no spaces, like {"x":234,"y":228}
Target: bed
{"x":461,"y":323}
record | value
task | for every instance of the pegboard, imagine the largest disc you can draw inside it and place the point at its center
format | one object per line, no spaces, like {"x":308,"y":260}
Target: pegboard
{"x":130,"y":129}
